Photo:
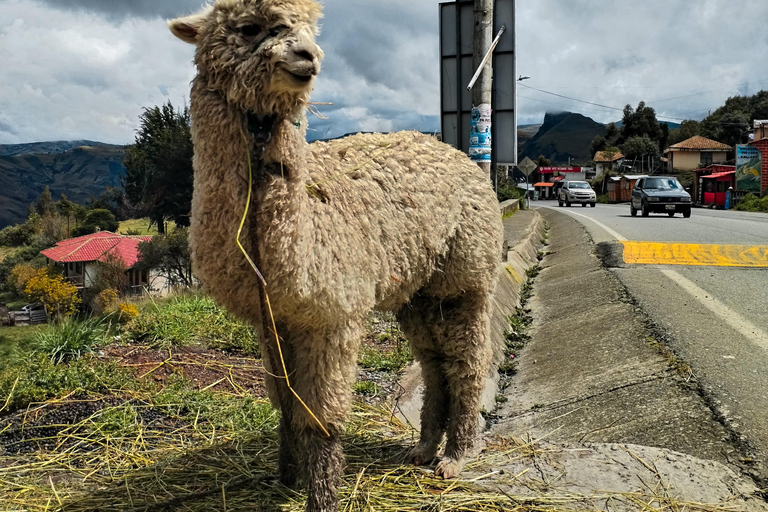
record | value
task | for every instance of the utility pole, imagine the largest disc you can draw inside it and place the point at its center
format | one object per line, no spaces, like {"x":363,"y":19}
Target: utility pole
{"x":481,"y":91}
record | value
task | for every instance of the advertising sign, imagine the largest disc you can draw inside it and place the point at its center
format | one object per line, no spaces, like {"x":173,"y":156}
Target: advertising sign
{"x":748,"y":165}
{"x":480,"y":134}
{"x":552,"y":170}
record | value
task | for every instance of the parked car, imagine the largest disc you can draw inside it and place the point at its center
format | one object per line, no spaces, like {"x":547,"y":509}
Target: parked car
{"x":659,"y":194}
{"x":576,"y":192}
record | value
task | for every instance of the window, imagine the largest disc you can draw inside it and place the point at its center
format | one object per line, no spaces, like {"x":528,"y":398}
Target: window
{"x":706,"y":158}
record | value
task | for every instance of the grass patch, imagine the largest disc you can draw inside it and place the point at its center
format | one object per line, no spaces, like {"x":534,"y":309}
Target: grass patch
{"x":36,"y":378}
{"x":516,"y":336}
{"x":388,"y":361}
{"x":366,"y":388}
{"x":141,"y":227}
{"x":675,"y":363}
{"x":190,"y":319}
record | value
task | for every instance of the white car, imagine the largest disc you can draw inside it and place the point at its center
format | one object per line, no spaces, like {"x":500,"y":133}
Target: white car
{"x":576,"y":192}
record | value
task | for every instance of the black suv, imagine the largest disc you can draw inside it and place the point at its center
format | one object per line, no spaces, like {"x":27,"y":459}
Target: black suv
{"x":660,"y":194}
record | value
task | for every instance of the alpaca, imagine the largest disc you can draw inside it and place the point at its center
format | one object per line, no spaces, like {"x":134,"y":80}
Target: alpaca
{"x":398,"y":222}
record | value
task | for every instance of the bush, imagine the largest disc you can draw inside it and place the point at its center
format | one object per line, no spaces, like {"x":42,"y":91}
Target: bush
{"x":70,"y":339}
{"x":752,"y":203}
{"x":126,"y":312}
{"x":20,"y":276}
{"x":58,"y":295}
{"x":104,"y":301}
{"x":25,"y":256}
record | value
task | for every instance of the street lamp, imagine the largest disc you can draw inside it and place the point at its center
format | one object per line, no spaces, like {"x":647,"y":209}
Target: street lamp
{"x":519,"y":79}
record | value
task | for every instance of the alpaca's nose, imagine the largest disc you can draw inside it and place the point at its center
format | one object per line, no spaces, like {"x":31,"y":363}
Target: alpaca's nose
{"x":304,"y":53}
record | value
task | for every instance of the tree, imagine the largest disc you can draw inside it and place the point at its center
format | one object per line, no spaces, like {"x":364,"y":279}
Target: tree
{"x":158,"y":178}
{"x":97,"y":220}
{"x":45,"y":205}
{"x":170,"y":254}
{"x":641,"y":148}
{"x":642,"y":121}
{"x":688,"y":129}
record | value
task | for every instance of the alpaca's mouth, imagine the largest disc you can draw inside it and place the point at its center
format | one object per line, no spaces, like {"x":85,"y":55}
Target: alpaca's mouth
{"x":300,"y":78}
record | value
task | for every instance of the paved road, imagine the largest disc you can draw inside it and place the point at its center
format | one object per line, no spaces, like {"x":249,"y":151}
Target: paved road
{"x":717,"y":316}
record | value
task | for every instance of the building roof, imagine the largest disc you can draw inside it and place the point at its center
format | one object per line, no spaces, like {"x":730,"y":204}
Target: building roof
{"x":699,"y":143}
{"x":96,"y":247}
{"x":604,"y":156}
{"x":543,"y":184}
{"x":718,"y":174}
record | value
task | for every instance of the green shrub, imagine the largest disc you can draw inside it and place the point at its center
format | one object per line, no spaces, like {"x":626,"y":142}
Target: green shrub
{"x":752,"y":203}
{"x":70,"y":339}
{"x":191,"y":319}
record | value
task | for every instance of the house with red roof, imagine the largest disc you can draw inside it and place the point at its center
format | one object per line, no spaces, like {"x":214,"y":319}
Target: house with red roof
{"x":80,"y":257}
{"x":695,"y":152}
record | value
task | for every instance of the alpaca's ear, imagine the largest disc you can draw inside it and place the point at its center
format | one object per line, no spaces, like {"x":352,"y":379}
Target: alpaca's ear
{"x":188,"y":28}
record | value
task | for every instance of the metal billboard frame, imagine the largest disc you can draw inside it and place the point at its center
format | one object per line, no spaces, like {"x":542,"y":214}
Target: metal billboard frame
{"x":456,"y":35}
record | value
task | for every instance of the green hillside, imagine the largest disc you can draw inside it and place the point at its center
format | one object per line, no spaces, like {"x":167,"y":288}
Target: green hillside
{"x":79,"y":173}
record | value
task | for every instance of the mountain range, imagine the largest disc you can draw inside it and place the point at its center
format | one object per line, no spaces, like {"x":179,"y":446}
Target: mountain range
{"x":79,"y":169}
{"x":83,"y":168}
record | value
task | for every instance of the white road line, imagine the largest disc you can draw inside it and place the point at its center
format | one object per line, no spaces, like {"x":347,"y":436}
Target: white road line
{"x":727,"y":315}
{"x":600,"y":224}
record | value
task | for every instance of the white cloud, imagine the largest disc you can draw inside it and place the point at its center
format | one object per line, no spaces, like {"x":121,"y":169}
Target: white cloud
{"x":75,"y":69}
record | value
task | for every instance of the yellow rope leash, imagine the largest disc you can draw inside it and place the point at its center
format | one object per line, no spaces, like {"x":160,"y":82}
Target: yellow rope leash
{"x":264,"y":284}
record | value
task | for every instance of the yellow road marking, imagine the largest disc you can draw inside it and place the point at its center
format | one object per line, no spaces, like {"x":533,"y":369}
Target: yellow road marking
{"x":657,"y":253}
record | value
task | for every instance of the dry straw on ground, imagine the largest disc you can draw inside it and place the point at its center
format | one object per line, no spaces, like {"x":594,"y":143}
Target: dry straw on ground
{"x":163,"y":462}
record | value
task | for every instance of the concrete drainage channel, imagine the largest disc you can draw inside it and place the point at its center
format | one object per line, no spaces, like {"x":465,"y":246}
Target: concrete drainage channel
{"x":559,"y":393}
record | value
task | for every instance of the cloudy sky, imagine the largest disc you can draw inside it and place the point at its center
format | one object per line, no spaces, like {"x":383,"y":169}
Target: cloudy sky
{"x":84,"y":69}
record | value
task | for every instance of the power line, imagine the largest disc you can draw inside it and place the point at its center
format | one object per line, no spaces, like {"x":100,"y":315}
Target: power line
{"x":595,"y":104}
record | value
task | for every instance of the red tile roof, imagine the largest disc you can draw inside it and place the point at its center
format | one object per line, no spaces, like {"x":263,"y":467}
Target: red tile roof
{"x":96,"y":247}
{"x":697,"y":142}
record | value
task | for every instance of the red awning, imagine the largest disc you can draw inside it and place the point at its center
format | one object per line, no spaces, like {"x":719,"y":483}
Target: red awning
{"x":542,"y":184}
{"x":719,"y":174}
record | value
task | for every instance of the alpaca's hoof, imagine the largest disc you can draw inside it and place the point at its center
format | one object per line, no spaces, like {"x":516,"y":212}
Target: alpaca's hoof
{"x":420,"y":455}
{"x":449,"y":468}
{"x":288,"y":479}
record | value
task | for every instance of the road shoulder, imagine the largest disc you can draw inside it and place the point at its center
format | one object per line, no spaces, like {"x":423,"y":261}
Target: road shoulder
{"x":610,"y":409}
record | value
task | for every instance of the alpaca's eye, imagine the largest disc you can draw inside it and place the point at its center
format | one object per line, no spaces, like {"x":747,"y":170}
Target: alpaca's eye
{"x":251,"y":30}
{"x":275,"y":31}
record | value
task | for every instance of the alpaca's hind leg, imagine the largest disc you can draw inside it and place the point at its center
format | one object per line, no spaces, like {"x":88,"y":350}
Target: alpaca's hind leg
{"x":466,"y":331}
{"x":414,"y":320}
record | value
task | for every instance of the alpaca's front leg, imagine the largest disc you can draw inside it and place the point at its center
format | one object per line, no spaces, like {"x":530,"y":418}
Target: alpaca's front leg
{"x":325,"y":371}
{"x":287,"y":465}
{"x":324,"y":464}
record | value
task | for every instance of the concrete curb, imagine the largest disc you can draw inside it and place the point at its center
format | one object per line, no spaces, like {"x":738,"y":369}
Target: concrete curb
{"x":522,"y":256}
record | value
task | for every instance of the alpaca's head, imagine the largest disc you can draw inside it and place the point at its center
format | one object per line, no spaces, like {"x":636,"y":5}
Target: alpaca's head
{"x":260,"y":55}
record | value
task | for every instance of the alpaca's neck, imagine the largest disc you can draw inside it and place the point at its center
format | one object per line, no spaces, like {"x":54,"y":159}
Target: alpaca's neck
{"x":276,"y":226}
